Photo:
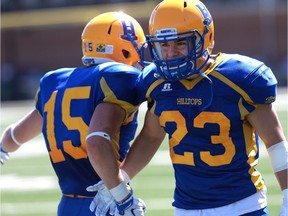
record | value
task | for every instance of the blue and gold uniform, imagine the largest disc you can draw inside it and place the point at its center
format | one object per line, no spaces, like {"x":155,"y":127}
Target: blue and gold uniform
{"x":66,"y":100}
{"x":213,"y":148}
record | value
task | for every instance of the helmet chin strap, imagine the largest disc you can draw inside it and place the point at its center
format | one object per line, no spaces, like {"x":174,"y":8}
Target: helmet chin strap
{"x":206,"y":77}
{"x":140,"y":51}
{"x":211,"y":91}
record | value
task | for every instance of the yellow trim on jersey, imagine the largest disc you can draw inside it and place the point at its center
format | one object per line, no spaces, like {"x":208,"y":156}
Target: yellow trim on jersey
{"x":152,"y":110}
{"x":153,"y":86}
{"x":150,"y":89}
{"x":251,"y":148}
{"x":219,"y":58}
{"x":189,"y":84}
{"x":77,"y":196}
{"x":111,"y":98}
{"x":130,"y":111}
{"x":36,"y":95}
{"x":233,"y":86}
{"x":36,"y":100}
{"x":212,"y":72}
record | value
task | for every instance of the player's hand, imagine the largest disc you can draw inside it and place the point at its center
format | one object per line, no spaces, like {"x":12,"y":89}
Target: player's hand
{"x":4,"y":155}
{"x":103,"y":202}
{"x":284,"y":210}
{"x":131,"y":207}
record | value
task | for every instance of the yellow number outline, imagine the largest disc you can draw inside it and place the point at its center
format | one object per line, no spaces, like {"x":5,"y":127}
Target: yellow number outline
{"x":203,"y":118}
{"x":72,"y":123}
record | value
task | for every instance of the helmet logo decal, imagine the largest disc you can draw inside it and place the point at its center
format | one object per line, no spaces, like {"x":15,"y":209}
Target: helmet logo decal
{"x":128,"y":28}
{"x":207,"y":16}
{"x":104,"y":48}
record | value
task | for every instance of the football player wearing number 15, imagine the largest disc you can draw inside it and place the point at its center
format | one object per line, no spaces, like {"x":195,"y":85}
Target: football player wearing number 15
{"x":213,"y":107}
{"x":96,"y":103}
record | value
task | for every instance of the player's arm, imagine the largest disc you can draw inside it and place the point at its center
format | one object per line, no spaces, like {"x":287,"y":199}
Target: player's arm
{"x":145,"y":145}
{"x":265,"y":120}
{"x":107,"y":119}
{"x":22,"y":131}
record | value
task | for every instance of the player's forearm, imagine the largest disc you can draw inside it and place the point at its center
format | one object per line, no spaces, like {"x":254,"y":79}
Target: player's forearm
{"x":102,"y":158}
{"x":282,"y":178}
{"x":278,"y":154}
{"x":24,"y":130}
{"x":7,"y":143}
{"x":140,"y":154}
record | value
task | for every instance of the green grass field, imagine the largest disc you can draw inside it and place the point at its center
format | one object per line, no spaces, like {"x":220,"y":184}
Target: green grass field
{"x":29,"y":186}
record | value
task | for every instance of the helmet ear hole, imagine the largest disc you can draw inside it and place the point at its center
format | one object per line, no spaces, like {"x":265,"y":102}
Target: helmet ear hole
{"x":126,"y":53}
{"x":185,"y":4}
{"x":211,"y":37}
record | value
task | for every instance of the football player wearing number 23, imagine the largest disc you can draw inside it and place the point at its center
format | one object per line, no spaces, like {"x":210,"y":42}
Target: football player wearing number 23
{"x":213,"y":108}
{"x":96,"y":104}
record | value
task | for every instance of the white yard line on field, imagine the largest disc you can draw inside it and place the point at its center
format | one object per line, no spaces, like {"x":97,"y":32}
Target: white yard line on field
{"x":11,"y":183}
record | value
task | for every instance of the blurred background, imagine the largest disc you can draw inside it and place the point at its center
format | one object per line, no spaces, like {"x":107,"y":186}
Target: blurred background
{"x":41,"y":35}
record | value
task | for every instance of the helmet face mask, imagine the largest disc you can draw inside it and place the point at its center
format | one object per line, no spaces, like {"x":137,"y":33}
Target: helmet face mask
{"x":113,"y":36}
{"x":183,"y":20}
{"x":180,"y":67}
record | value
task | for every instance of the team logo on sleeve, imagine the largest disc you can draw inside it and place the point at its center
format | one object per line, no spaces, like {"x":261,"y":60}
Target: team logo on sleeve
{"x":270,"y":100}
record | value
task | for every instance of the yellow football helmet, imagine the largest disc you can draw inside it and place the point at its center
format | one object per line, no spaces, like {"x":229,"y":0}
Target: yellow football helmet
{"x":188,"y":20}
{"x":115,"y":36}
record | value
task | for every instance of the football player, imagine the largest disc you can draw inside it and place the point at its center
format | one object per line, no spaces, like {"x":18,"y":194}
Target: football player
{"x":214,"y":109}
{"x":89,"y":108}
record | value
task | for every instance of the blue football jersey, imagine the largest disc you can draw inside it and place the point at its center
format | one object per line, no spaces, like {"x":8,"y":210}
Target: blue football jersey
{"x":213,"y":148}
{"x":66,"y":100}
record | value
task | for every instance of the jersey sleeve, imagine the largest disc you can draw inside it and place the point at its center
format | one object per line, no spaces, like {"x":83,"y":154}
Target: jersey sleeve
{"x":252,"y":76}
{"x":118,"y":85}
{"x":146,"y":82}
{"x":38,"y":99}
{"x":261,"y":85}
{"x":50,"y":82}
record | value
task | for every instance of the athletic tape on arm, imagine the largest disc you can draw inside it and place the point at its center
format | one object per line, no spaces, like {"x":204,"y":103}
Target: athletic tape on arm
{"x":125,"y":176}
{"x":278,"y":154}
{"x":120,"y":192}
